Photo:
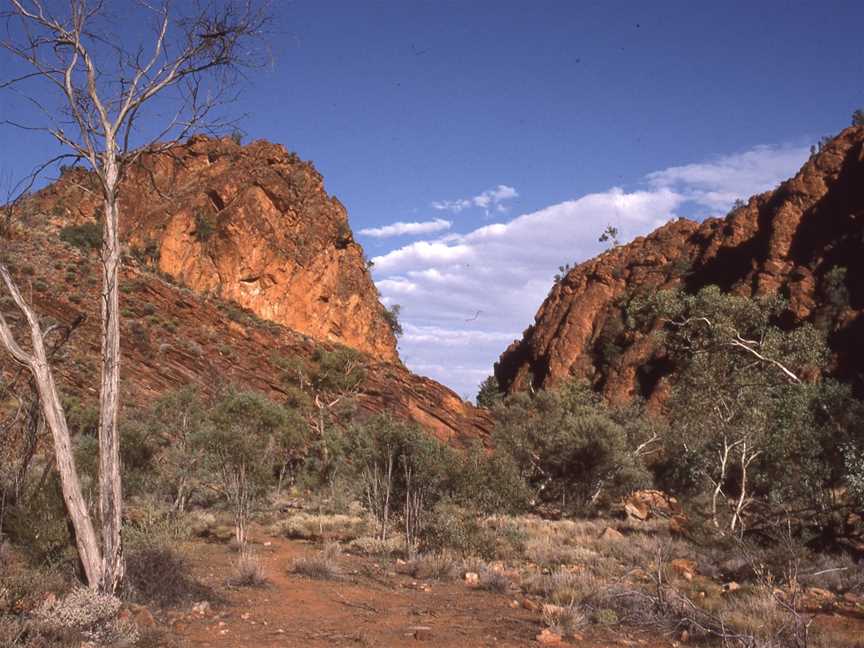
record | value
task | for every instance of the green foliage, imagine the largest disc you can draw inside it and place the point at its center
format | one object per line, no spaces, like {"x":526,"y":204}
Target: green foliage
{"x":489,"y":393}
{"x":391,"y":316}
{"x":741,"y":387}
{"x":86,"y":237}
{"x":610,"y":234}
{"x":204,"y":227}
{"x":568,"y":446}
{"x":339,"y":370}
{"x":451,"y":528}
{"x":562,"y":272}
{"x":858,"y":117}
{"x":489,"y":482}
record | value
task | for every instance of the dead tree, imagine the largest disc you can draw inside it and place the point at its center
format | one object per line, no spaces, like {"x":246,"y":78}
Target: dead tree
{"x":90,"y":93}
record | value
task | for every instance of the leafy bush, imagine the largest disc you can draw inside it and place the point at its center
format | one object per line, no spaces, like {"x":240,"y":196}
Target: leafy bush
{"x":159,"y":575}
{"x":489,"y":393}
{"x":86,"y":237}
{"x":450,"y":528}
{"x":391,"y":316}
{"x":84,"y":613}
{"x":568,"y":446}
{"x":241,"y":449}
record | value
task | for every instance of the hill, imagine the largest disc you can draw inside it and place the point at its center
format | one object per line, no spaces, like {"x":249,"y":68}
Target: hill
{"x":239,"y":270}
{"x":804,"y":240}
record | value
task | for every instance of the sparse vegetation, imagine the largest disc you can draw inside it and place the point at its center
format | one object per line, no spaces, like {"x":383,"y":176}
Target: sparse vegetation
{"x":391,"y":316}
{"x":87,"y":237}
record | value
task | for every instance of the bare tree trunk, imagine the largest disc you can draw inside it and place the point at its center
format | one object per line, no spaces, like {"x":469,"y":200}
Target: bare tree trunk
{"x":110,"y":489}
{"x":52,"y":410}
{"x":718,"y":485}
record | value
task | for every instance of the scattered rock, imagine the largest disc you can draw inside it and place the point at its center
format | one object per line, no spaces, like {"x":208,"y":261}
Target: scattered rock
{"x":684,"y":568}
{"x":472,"y":579}
{"x":678,"y":524}
{"x":422,"y":633}
{"x":548,"y":638}
{"x":144,"y":618}
{"x":611,"y":534}
{"x":528,"y":604}
{"x":731,"y":586}
{"x":201,"y":608}
{"x":818,"y":592}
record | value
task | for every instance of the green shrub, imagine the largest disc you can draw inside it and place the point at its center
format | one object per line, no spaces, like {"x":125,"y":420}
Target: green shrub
{"x":450,"y":528}
{"x":391,"y":316}
{"x":205,"y":227}
{"x":86,"y":237}
{"x":489,"y":393}
{"x":158,"y":575}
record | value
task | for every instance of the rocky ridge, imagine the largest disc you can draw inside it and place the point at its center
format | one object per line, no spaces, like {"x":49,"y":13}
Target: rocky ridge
{"x":803,"y":240}
{"x":236,"y":264}
{"x":252,"y":224}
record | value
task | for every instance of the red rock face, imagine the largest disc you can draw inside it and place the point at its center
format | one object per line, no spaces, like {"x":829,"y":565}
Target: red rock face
{"x":206,"y":225}
{"x":172,"y":337}
{"x":250,"y":224}
{"x":785,"y":241}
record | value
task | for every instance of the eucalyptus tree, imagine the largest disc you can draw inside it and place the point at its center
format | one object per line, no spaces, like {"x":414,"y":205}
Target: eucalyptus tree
{"x":109,"y":86}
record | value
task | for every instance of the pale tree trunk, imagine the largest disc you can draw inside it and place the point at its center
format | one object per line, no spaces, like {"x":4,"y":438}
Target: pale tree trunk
{"x":85,"y":534}
{"x":110,"y":489}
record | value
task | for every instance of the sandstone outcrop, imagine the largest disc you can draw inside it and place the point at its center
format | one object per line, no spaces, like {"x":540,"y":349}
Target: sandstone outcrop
{"x":173,"y":337}
{"x":804,"y":240}
{"x":251,"y":224}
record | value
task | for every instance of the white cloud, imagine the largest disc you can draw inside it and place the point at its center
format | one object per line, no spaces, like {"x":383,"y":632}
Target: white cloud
{"x":465,"y":297}
{"x":489,"y":199}
{"x":401,"y":229}
{"x":718,"y":183}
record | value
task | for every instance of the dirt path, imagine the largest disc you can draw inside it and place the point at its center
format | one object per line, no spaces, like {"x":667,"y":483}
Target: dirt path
{"x":368,"y":606}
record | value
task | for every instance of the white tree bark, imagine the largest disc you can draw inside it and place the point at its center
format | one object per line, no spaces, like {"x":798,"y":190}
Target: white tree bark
{"x":37,"y":363}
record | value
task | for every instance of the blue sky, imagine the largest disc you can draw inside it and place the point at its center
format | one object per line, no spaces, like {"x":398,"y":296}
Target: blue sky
{"x":513,"y":132}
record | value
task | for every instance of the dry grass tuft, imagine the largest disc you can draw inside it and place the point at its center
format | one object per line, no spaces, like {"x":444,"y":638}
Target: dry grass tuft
{"x":323,"y":566}
{"x":248,"y":570}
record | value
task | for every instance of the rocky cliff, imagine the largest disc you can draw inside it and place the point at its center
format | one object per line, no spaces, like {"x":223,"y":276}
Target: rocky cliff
{"x":251,"y":224}
{"x":237,"y":265}
{"x":804,"y":240}
{"x":173,"y":337}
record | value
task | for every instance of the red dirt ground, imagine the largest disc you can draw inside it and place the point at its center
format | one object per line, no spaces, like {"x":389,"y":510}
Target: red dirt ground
{"x":370,"y":605}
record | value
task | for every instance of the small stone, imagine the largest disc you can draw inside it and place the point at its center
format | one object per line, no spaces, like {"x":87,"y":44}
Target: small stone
{"x":611,"y":534}
{"x":684,"y":568}
{"x":144,"y":619}
{"x":201,"y":607}
{"x":528,"y":604}
{"x":731,"y":586}
{"x":472,"y":579}
{"x":818,"y":592}
{"x":852,"y":597}
{"x":548,"y":638}
{"x":514,"y":604}
{"x":422,"y":633}
{"x":685,"y":636}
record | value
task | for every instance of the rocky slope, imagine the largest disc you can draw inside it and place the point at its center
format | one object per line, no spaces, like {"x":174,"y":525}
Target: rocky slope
{"x":252,"y":224}
{"x":210,"y":228}
{"x":804,"y":240}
